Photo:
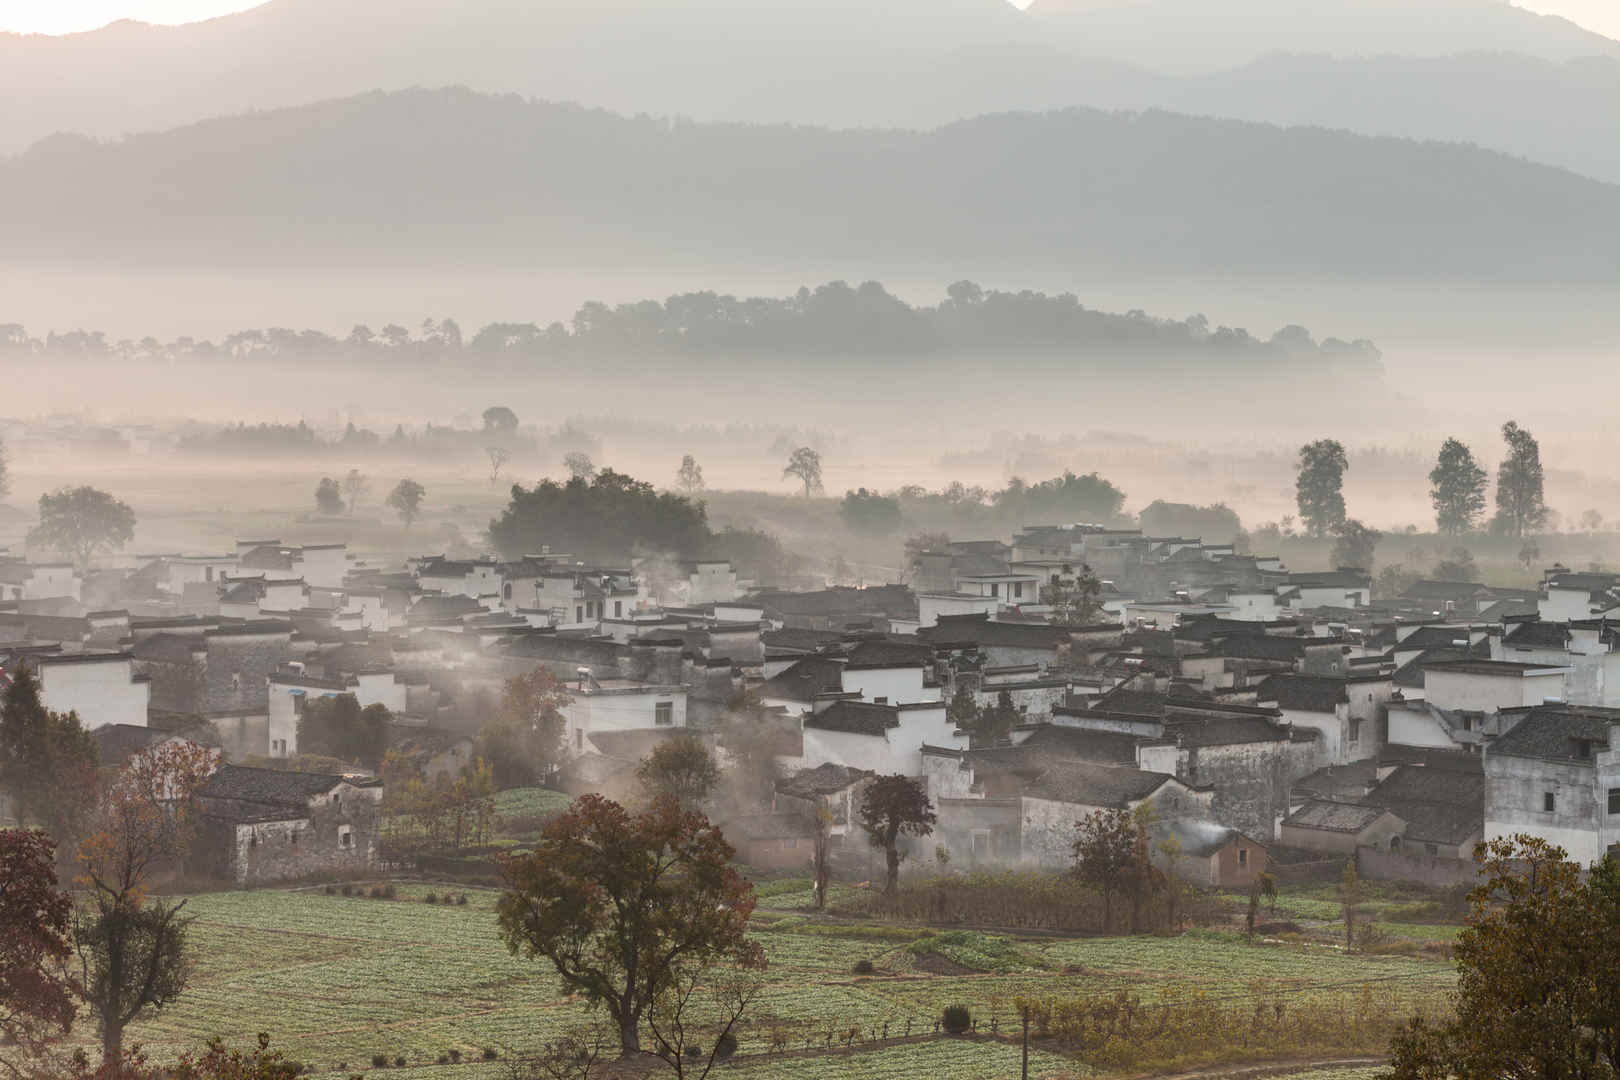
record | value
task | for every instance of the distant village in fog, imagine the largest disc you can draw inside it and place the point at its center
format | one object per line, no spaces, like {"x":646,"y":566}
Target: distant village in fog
{"x":1273,"y":719}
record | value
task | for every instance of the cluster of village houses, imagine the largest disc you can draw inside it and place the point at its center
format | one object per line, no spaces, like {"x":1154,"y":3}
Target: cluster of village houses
{"x":1272,"y":719}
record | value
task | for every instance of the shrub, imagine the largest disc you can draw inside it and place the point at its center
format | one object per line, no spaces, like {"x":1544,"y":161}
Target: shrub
{"x":399,"y":1062}
{"x":430,"y":898}
{"x":957,"y":1019}
{"x":455,"y":1056}
{"x":348,"y":890}
{"x":389,"y":892}
{"x":694,"y":1052}
{"x":864,"y":967}
{"x":379,"y":1061}
{"x":376,"y":893}
{"x":331,"y":890}
{"x":490,"y":1054}
{"x":461,"y":900}
{"x":444,"y":1059}
{"x":725,"y":1046}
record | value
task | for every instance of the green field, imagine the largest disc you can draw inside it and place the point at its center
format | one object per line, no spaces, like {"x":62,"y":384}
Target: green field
{"x":337,"y":980}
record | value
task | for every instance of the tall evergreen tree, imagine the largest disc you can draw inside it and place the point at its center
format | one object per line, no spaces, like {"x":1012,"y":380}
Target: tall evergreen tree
{"x":1320,"y":486}
{"x":1458,"y":490}
{"x":1520,"y":505}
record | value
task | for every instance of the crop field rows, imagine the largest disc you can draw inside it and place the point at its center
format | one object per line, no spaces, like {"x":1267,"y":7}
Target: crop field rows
{"x":337,"y":980}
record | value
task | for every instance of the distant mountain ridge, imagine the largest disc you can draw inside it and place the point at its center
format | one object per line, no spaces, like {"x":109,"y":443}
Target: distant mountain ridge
{"x":434,"y":173}
{"x":1456,"y":70}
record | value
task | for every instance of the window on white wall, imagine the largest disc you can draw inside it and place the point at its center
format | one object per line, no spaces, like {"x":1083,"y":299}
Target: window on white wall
{"x":664,"y":713}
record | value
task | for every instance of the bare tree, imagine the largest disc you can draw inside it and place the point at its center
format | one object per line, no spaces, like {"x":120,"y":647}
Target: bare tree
{"x":695,"y":1001}
{"x":498,"y":457}
{"x":355,"y":487}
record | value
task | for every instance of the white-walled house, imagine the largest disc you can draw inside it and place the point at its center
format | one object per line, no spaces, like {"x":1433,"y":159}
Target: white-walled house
{"x":710,"y":581}
{"x":621,"y":705}
{"x":1490,"y":685}
{"x":885,"y":739}
{"x":931,"y":606}
{"x":1556,"y":775}
{"x":21,"y":580}
{"x":103,"y":688}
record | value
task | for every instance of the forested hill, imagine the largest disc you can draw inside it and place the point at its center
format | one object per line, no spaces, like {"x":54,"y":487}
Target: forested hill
{"x":453,"y":173}
{"x":835,"y":319}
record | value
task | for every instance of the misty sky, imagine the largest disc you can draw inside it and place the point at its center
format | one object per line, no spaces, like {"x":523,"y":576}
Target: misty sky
{"x":64,"y":16}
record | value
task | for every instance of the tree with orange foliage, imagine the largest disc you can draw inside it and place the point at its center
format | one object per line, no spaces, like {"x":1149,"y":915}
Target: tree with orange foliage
{"x":36,"y":996}
{"x":523,"y":742}
{"x":131,"y":949}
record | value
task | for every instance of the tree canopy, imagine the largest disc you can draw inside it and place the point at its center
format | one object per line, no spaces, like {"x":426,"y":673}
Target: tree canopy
{"x":892,"y":807}
{"x":37,"y":1001}
{"x":1521,"y":508}
{"x":870,"y":513}
{"x":338,"y":727}
{"x":625,"y":906}
{"x":1538,"y":988}
{"x":1319,"y":490}
{"x":82,"y":521}
{"x":1458,"y":489}
{"x":611,"y":513}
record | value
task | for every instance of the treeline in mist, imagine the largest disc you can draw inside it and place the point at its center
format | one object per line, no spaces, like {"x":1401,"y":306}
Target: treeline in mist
{"x":835,"y":318}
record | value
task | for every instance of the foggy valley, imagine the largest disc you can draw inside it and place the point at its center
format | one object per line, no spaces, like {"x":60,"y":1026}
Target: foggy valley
{"x":562,"y":540}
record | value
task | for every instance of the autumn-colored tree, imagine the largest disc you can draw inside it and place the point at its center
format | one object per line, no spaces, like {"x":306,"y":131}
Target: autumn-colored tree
{"x":891,"y":807}
{"x":48,"y":762}
{"x":1111,"y":856}
{"x":37,"y":1002}
{"x":627,"y":906}
{"x":1538,"y":988}
{"x":523,"y":741}
{"x":682,"y":769}
{"x":131,"y":948}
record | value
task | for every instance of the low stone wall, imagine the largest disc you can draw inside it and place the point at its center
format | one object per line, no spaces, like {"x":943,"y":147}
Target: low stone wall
{"x":1377,"y":865}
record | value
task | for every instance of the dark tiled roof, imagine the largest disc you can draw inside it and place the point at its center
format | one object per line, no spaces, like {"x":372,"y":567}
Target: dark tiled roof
{"x":1436,"y":637}
{"x":1556,"y":733}
{"x":982,"y":630}
{"x":1094,"y":785}
{"x":800,"y":640}
{"x":1225,"y":731}
{"x":1262,"y":647}
{"x":1535,"y":634}
{"x":1410,"y":674}
{"x":1308,"y":693}
{"x":855,"y":718}
{"x":119,"y":742}
{"x":1432,"y":758}
{"x":1446,"y":590}
{"x":826,"y":779}
{"x":1441,"y":806}
{"x":889,"y":654}
{"x":272,"y":786}
{"x":805,"y":680}
{"x":1498,"y":668}
{"x":891,"y":600}
{"x":1337,"y":817}
{"x":1084,"y":744}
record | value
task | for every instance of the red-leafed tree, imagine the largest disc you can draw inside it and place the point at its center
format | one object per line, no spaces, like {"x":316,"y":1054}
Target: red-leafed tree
{"x":626,"y":907}
{"x":36,"y":996}
{"x":132,"y":949}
